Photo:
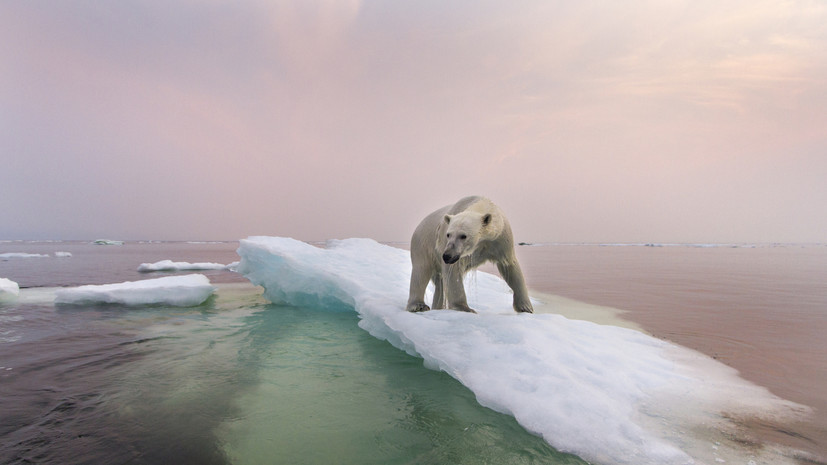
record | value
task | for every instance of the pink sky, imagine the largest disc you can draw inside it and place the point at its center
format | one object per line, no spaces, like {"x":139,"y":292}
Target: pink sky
{"x":678,"y":121}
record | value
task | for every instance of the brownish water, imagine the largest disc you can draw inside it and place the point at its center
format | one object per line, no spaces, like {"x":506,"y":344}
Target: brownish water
{"x":761,"y":310}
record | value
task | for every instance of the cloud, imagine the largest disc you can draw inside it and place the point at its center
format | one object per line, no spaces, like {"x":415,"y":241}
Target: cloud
{"x":326,"y":118}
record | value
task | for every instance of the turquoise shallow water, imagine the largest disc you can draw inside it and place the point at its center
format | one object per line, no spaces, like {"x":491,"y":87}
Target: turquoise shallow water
{"x":237,"y":380}
{"x":327,"y":392}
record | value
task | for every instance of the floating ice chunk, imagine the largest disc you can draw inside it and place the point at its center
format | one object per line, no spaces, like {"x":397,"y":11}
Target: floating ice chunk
{"x":608,"y":394}
{"x":9,"y":290}
{"x":10,"y":255}
{"x":169,"y":265}
{"x":63,"y":254}
{"x":107,"y":242}
{"x":178,"y":291}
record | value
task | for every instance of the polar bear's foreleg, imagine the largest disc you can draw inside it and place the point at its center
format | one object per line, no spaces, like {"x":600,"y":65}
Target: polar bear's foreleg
{"x":420,"y":276}
{"x":454,"y":289}
{"x":513,"y":276}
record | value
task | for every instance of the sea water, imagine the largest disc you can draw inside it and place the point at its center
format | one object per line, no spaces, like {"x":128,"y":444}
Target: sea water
{"x":760,"y":308}
{"x":237,"y":380}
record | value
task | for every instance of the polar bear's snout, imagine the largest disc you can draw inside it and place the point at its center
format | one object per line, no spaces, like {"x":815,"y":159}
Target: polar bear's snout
{"x":452,"y":252}
{"x":449,"y":258}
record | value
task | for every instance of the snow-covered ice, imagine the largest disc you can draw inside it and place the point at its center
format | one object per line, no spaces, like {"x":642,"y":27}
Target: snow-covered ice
{"x":169,"y":265}
{"x":9,"y":290}
{"x":63,"y":254}
{"x":608,"y":394}
{"x":179,"y":291}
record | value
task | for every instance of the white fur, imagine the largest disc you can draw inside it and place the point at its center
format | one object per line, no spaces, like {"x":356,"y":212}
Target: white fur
{"x":455,"y":239}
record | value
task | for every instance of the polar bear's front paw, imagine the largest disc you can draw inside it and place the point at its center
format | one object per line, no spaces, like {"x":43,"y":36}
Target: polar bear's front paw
{"x":419,"y":307}
{"x":524,"y":307}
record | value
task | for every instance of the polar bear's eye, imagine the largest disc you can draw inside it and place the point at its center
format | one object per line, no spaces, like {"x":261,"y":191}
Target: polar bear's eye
{"x":448,"y":235}
{"x":463,"y":236}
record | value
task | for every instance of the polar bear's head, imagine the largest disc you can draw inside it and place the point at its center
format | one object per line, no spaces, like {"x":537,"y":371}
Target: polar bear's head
{"x":462,"y":233}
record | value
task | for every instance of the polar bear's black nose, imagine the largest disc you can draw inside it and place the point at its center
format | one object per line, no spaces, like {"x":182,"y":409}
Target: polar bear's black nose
{"x":449,"y":259}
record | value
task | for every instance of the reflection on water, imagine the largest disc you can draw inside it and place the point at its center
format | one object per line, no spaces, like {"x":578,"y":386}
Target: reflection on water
{"x":236,"y":381}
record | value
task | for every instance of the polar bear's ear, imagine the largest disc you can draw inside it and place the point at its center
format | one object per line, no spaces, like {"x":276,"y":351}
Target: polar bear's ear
{"x":447,"y":219}
{"x":486,"y":219}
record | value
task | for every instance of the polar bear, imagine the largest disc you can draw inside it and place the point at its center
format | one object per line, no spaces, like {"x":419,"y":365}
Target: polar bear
{"x":458,"y":238}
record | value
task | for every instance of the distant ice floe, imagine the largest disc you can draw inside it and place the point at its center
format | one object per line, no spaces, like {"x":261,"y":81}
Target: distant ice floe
{"x":169,"y":265}
{"x":9,"y":290}
{"x":107,"y":242}
{"x":610,"y":395}
{"x":16,"y":255}
{"x":11,"y":255}
{"x":178,"y":291}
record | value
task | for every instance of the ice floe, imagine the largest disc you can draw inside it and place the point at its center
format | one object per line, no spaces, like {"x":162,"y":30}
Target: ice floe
{"x":608,"y":394}
{"x":9,"y":290}
{"x":178,"y":291}
{"x":169,"y":265}
{"x":107,"y":242}
{"x":10,"y":255}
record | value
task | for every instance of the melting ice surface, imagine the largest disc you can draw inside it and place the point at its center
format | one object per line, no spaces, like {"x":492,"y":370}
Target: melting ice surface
{"x":608,"y":394}
{"x":179,"y":291}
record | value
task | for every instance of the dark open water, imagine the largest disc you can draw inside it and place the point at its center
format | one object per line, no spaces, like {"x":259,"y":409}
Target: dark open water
{"x":233,"y":381}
